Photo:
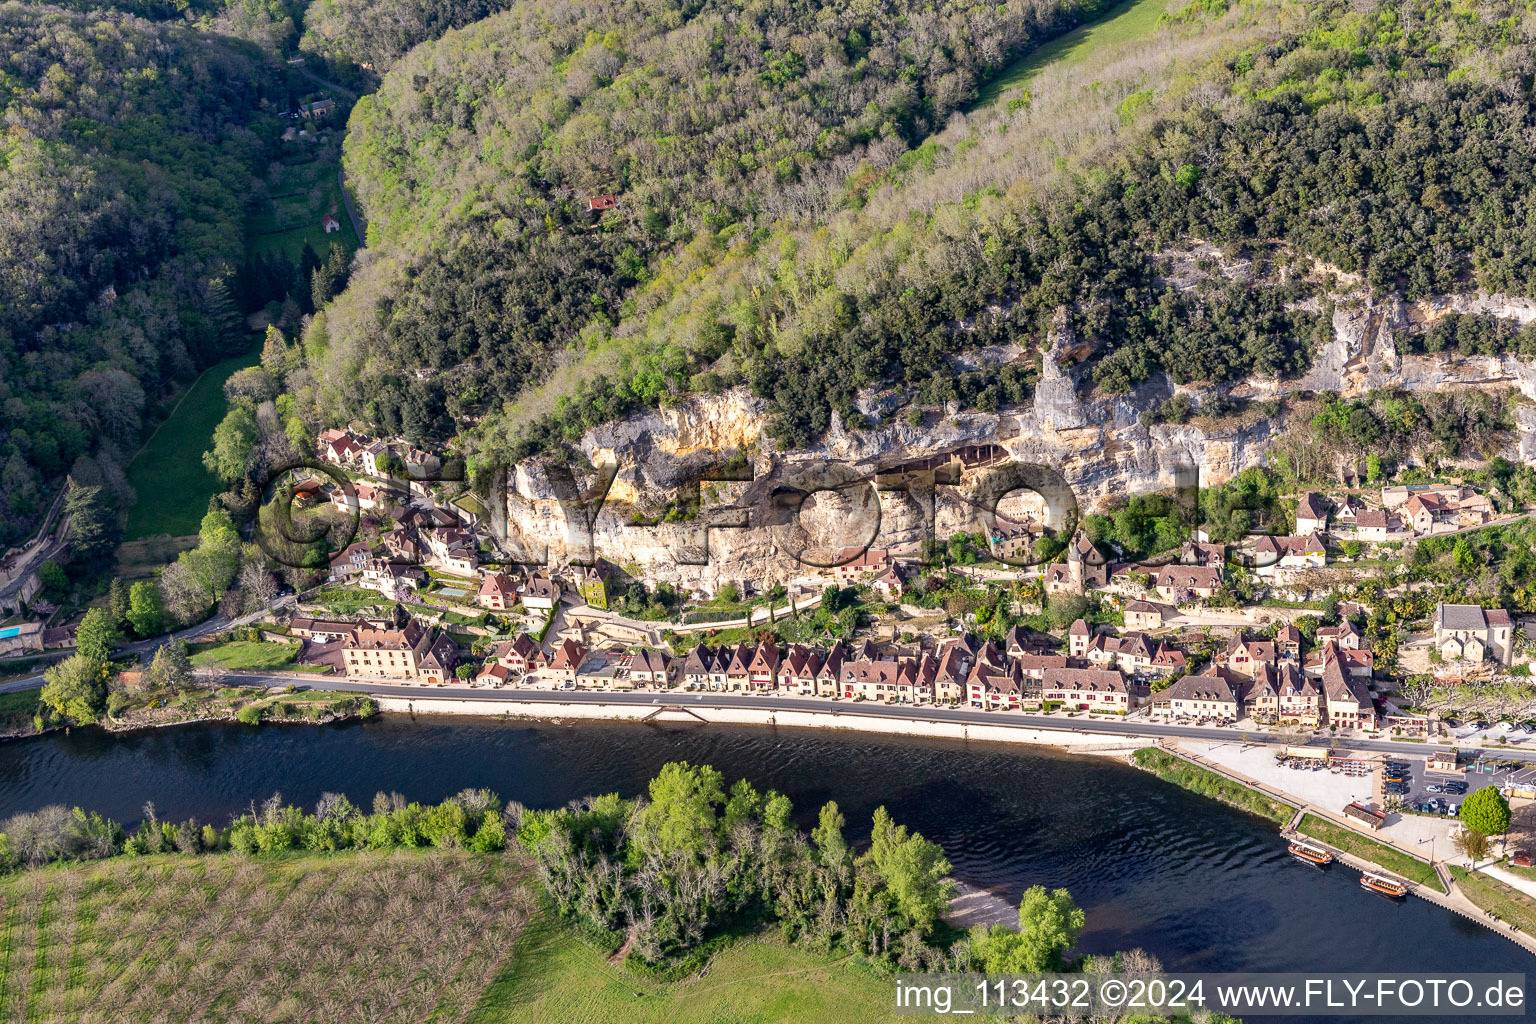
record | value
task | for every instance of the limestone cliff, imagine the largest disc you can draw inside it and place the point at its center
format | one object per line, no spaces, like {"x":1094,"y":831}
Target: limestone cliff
{"x":1098,"y":444}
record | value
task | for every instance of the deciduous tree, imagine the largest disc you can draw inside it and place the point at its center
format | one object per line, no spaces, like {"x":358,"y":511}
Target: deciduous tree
{"x":76,"y":688}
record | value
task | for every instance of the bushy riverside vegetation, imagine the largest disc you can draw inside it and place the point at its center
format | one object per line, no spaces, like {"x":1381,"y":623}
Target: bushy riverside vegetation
{"x":1208,"y":783}
{"x":697,"y":860}
{"x":471,"y":820}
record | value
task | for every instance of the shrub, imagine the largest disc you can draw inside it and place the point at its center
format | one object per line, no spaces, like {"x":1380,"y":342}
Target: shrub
{"x":490,"y":836}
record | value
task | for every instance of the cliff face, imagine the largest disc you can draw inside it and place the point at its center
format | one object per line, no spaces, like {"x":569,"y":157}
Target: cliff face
{"x":1099,"y":446}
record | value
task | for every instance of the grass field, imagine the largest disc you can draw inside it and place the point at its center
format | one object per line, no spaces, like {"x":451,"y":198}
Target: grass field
{"x":1491,"y":894}
{"x":17,"y":708}
{"x":168,"y":474}
{"x":555,"y":977}
{"x":1350,"y":841}
{"x":348,"y":601}
{"x":1207,"y":783}
{"x":401,"y":937}
{"x":247,"y":655}
{"x":304,"y":193}
{"x":1129,"y":20}
{"x":141,"y":558}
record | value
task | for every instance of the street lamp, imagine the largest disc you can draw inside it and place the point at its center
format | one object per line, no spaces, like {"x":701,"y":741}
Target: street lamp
{"x":1431,"y":842}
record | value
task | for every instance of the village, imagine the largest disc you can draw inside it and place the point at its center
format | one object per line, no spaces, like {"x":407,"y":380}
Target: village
{"x":421,"y":597}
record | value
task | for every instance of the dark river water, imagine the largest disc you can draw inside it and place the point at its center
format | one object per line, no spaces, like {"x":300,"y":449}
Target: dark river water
{"x":1199,"y":885}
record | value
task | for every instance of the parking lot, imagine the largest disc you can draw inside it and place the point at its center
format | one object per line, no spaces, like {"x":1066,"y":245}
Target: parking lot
{"x":1484,"y":772}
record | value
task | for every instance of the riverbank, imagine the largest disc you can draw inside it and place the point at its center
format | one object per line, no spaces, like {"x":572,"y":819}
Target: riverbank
{"x":1009,"y":816}
{"x":846,"y":719}
{"x":1180,"y":772}
{"x":1356,"y":850}
{"x":20,"y":710}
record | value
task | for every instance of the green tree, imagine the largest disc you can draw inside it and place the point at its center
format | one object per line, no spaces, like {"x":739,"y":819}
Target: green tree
{"x":1064,"y":609}
{"x":745,"y":804}
{"x":171,"y":667}
{"x":1486,"y":811}
{"x":331,"y":277}
{"x":682,"y":815}
{"x":913,"y":869}
{"x":76,"y":688}
{"x":53,"y":577}
{"x":274,"y":351}
{"x":224,"y":320}
{"x":212,"y":565}
{"x":96,"y":634}
{"x":146,"y":611}
{"x":1049,"y":926}
{"x":93,"y":531}
{"x":117,"y":600}
{"x":234,"y":439}
{"x":1462,"y":555}
{"x":831,"y":847}
{"x":490,"y":836}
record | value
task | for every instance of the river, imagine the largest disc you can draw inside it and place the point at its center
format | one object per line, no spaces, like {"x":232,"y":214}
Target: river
{"x":1201,"y":886}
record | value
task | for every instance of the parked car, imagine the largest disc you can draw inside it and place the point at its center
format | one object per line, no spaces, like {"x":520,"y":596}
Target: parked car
{"x":1457,"y":788}
{"x":1433,"y":789}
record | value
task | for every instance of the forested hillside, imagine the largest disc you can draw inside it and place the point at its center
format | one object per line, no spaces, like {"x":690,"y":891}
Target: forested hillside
{"x":129,"y":152}
{"x":271,"y":24}
{"x":377,"y":33}
{"x":789,"y":218}
{"x":475,"y":160}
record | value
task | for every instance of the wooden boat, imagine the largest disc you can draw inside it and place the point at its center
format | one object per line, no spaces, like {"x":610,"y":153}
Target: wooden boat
{"x":1310,"y":852}
{"x":1383,"y":884}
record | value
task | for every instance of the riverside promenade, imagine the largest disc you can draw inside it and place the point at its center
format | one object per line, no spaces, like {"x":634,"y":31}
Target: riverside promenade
{"x":1452,"y":899}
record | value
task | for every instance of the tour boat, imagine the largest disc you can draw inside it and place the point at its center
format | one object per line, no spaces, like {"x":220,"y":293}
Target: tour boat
{"x":1386,"y":885}
{"x":1310,"y":853}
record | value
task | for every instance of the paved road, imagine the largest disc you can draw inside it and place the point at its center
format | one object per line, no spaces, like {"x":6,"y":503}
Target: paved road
{"x":304,"y":70}
{"x":346,"y":201}
{"x":644,"y":698}
{"x":218,"y":624}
